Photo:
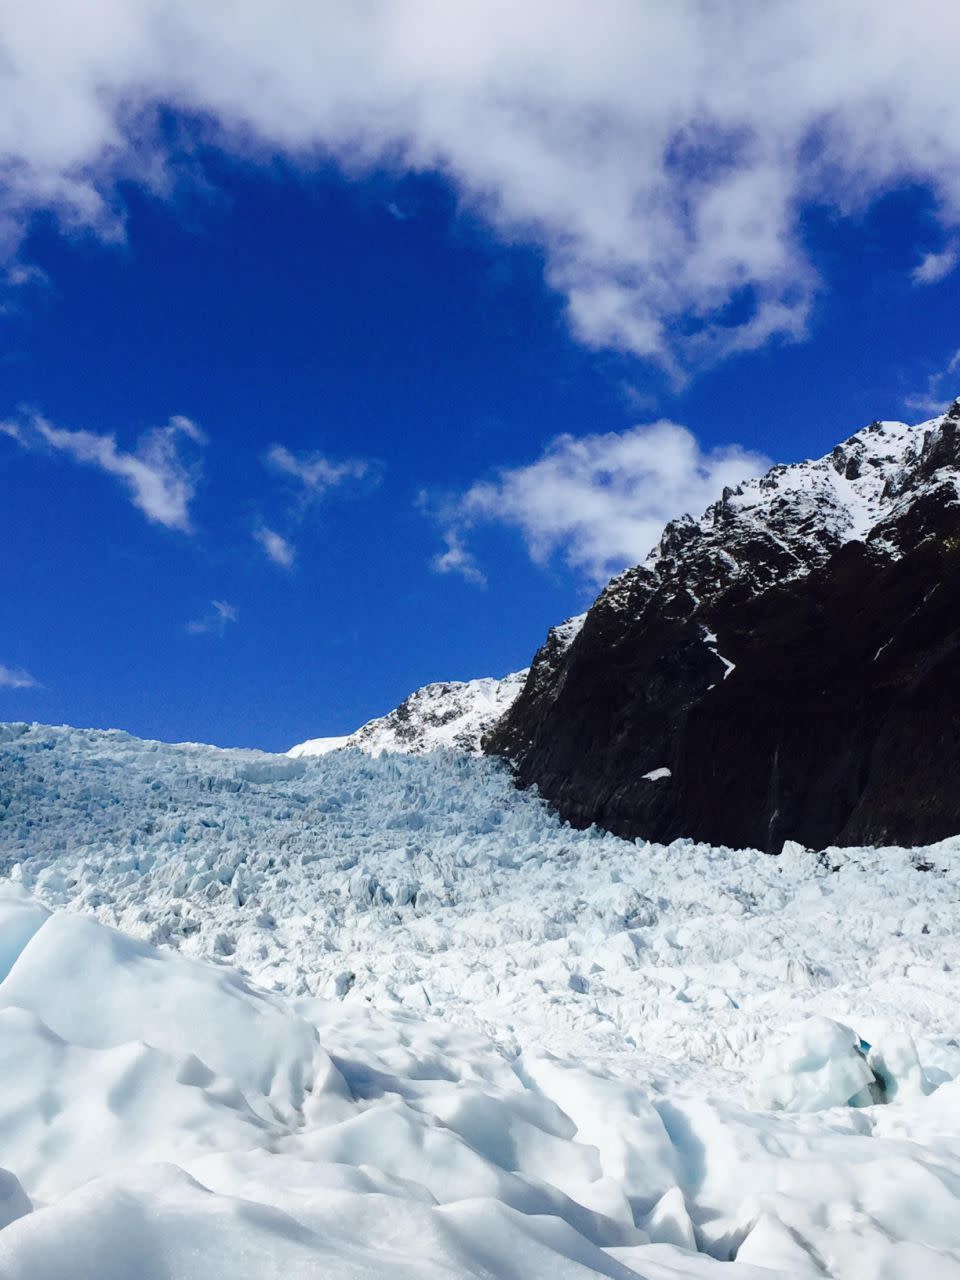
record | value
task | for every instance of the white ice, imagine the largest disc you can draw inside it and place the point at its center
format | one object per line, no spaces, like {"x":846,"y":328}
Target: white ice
{"x":390,"y":1018}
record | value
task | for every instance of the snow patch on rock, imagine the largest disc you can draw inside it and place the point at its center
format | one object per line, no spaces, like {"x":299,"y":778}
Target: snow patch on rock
{"x":452,"y":715}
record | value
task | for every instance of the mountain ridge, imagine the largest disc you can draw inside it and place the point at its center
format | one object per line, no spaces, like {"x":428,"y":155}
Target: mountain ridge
{"x":452,"y":714}
{"x":666,"y":709}
{"x":657,"y":669}
{"x":445,"y":715}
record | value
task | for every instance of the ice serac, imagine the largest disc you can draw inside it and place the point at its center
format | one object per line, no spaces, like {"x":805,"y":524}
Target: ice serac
{"x":792,"y":657}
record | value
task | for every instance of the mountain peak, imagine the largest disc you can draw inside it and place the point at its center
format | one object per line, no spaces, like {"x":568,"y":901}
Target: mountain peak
{"x":796,"y":645}
{"x":452,"y":714}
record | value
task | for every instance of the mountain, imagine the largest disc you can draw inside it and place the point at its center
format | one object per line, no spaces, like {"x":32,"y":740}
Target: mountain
{"x":451,"y":714}
{"x":785,"y":667}
{"x":454,"y":714}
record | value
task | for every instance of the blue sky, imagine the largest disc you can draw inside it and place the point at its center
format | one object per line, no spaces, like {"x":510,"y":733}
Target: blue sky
{"x":291,"y":432}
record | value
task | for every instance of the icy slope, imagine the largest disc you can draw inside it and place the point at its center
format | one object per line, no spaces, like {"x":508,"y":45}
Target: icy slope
{"x":161,"y":1118}
{"x":430,"y":883}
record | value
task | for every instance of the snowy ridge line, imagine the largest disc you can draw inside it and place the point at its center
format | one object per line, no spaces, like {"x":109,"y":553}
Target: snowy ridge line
{"x":447,"y":715}
{"x":768,"y":529}
{"x":729,"y":605}
{"x":452,"y":715}
{"x":783,"y":524}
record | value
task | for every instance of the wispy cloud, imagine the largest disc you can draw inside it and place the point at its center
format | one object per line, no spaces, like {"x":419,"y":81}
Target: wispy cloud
{"x":214,"y":620}
{"x":309,"y":476}
{"x":599,"y":501}
{"x":275,"y":546}
{"x":936,"y":266}
{"x":661,"y":158}
{"x":941,"y":389}
{"x":16,"y":678}
{"x":458,"y":559}
{"x":20,"y":274}
{"x":313,"y":471}
{"x":16,"y":279}
{"x":160,"y":481}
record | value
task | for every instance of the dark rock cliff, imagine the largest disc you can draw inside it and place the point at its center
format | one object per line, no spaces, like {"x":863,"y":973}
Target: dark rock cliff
{"x":792,"y":659}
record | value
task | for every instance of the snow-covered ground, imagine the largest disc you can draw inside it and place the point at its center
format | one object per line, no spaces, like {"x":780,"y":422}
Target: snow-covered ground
{"x":388,"y":1017}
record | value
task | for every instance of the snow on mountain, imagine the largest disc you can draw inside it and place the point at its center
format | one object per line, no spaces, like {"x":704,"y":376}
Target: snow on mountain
{"x":450,"y":715}
{"x":402,"y":1022}
{"x":453,"y":714}
{"x":785,"y":523}
{"x":761,"y":653}
{"x":769,"y":529}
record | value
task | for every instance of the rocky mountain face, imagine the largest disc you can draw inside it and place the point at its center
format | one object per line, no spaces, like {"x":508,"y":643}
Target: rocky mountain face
{"x":454,"y":714}
{"x":785,"y":667}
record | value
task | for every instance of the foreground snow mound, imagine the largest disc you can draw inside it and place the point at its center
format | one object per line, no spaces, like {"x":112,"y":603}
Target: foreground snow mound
{"x":177,"y":1005}
{"x":821,"y":1064}
{"x":215,"y":1131}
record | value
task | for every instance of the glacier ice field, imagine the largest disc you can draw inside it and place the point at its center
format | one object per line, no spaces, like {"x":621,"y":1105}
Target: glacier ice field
{"x":345,"y":1016}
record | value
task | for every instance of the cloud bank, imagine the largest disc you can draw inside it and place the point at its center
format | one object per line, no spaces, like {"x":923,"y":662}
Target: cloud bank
{"x":657,"y":154}
{"x":600,"y":501}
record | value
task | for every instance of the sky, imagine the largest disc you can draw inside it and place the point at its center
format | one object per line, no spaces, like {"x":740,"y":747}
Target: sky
{"x":347,"y":348}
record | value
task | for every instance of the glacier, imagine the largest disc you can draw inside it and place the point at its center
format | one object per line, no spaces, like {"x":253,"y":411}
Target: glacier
{"x":386,"y":1016}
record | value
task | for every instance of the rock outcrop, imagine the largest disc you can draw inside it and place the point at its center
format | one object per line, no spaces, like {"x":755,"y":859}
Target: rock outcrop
{"x":786,"y":667}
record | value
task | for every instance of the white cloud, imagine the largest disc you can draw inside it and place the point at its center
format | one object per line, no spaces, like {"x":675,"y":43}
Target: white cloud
{"x":314,"y":472}
{"x":19,"y":274}
{"x":159,"y":482}
{"x":224,"y":610}
{"x":275,"y":546}
{"x":458,"y":559}
{"x":660,"y":155}
{"x":935,"y":266}
{"x":214,"y":620}
{"x":16,"y":678}
{"x":16,"y":279}
{"x":313,"y":475}
{"x":940,"y":391}
{"x":600,"y":501}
